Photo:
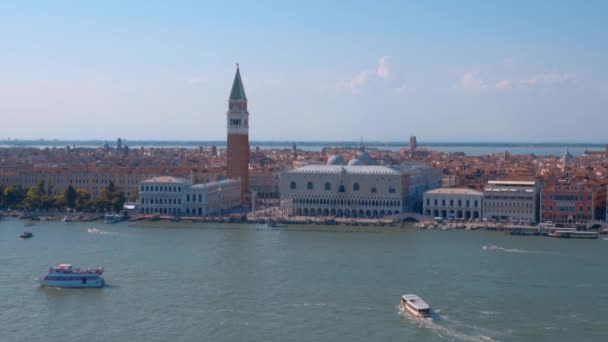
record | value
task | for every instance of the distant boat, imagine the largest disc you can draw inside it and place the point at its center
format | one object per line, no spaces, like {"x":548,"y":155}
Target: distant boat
{"x":26,"y":235}
{"x":573,"y":234}
{"x":272,"y":224}
{"x":66,"y":219}
{"x":414,"y":305}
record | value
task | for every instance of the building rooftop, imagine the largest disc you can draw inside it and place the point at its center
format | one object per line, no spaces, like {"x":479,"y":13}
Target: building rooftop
{"x":351,"y":169}
{"x":214,"y":183}
{"x":455,"y":191}
{"x":165,"y":179}
{"x":499,"y":182}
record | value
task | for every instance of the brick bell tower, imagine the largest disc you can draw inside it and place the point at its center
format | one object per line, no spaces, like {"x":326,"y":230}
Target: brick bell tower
{"x":238,"y":134}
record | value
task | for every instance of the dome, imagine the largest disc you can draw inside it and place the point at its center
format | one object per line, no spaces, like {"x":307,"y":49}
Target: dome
{"x":336,"y":159}
{"x":364,"y":157}
{"x":355,"y":162}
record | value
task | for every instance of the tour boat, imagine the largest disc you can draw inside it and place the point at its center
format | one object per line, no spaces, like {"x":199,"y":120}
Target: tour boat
{"x":414,"y":305}
{"x":26,"y":235}
{"x":64,"y":275}
{"x":562,"y":233}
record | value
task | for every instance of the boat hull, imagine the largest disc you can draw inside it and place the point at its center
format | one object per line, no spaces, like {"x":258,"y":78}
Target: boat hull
{"x":74,"y":284}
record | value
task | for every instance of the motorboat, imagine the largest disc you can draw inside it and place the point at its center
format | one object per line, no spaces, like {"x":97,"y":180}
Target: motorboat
{"x":64,"y":275}
{"x":26,"y":235}
{"x":273,"y":224}
{"x":113,"y":218}
{"x":414,"y":305}
{"x":66,"y":219}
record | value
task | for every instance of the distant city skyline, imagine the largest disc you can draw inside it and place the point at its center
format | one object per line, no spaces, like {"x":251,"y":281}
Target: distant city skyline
{"x":471,"y":71}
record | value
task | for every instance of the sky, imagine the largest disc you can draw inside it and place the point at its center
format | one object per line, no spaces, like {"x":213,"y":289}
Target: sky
{"x":533,"y":71}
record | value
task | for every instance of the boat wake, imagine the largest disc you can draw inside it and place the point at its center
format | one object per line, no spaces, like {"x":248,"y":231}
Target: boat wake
{"x":502,"y":249}
{"x":100,"y":231}
{"x":441,"y":330}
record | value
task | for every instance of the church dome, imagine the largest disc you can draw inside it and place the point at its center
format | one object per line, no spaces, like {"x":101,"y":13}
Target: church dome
{"x":355,"y":162}
{"x":336,"y":159}
{"x":364,"y":157}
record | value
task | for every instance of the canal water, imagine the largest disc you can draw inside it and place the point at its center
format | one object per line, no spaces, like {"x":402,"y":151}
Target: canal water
{"x":195,"y":282}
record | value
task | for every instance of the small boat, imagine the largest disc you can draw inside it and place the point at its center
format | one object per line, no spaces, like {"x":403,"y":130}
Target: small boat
{"x":414,"y":305}
{"x":26,"y":235}
{"x":66,"y":219}
{"x":113,"y":218}
{"x":64,"y":275}
{"x":276,"y":225}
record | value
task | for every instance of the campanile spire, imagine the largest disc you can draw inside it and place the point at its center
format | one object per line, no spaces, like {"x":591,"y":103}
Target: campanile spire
{"x":238,"y":134}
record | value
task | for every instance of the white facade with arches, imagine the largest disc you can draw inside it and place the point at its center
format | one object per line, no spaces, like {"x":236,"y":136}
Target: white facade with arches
{"x":453,"y":203}
{"x":356,"y":190}
{"x":167,"y":195}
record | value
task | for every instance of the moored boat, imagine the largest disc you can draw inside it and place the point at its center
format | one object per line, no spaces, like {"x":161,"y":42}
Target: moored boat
{"x":113,"y":218}
{"x":414,"y":305}
{"x":573,"y":234}
{"x":64,"y":275}
{"x":272,"y":224}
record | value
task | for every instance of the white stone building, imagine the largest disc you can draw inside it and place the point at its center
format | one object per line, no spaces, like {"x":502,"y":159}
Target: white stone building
{"x":511,"y":200}
{"x":179,"y":196}
{"x":453,"y":203}
{"x":357,"y":189}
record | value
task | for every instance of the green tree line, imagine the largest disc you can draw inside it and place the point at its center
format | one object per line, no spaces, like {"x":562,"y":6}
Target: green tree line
{"x":40,"y":197}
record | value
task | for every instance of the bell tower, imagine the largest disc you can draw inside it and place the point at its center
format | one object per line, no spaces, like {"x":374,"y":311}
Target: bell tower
{"x":238,"y":134}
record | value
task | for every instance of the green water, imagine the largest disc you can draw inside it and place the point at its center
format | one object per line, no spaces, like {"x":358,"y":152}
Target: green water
{"x":247,"y":283}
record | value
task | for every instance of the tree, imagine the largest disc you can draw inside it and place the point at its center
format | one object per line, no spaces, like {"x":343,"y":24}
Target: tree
{"x":70,"y":196}
{"x":13,"y":196}
{"x":84,"y":200}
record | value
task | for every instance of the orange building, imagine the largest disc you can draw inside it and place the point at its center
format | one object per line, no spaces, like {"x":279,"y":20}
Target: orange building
{"x":570,"y":202}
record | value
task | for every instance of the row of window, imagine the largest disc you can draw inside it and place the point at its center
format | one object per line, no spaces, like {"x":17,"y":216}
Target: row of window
{"x":508,"y":204}
{"x":341,"y":201}
{"x":567,"y":208}
{"x":341,"y":188}
{"x":146,"y":188}
{"x":145,"y":200}
{"x":444,"y":202}
{"x":567,"y":197}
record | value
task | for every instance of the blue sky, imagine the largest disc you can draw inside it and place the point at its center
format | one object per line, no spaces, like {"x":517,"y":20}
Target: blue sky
{"x":341,"y":70}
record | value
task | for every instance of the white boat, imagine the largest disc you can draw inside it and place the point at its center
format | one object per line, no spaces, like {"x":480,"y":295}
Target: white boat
{"x":113,"y":218}
{"x":64,"y":275}
{"x":66,"y":219}
{"x":414,"y":305}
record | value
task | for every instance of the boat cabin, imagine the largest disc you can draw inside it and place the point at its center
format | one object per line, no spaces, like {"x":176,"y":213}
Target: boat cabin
{"x":415,"y":305}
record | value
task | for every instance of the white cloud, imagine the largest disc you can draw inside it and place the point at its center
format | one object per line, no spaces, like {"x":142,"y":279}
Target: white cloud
{"x":550,"y":78}
{"x":471,"y":81}
{"x":359,"y":80}
{"x":383,"y":70}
